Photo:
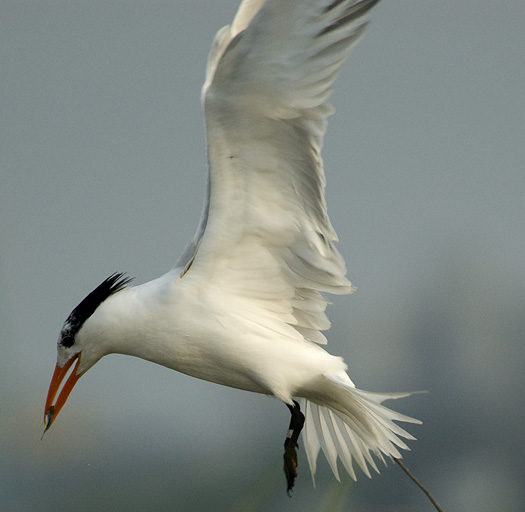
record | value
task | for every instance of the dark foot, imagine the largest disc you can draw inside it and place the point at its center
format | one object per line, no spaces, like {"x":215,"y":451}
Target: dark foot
{"x":290,"y":464}
{"x":290,"y":445}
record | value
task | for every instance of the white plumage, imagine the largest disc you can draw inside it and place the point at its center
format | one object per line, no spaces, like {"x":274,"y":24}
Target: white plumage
{"x":244,"y":306}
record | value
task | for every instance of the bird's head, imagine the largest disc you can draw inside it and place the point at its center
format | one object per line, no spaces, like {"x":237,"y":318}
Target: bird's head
{"x":76,"y":350}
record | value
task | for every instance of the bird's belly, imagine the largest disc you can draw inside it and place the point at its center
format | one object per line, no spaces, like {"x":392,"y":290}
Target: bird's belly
{"x":225,"y":376}
{"x":224,"y":342}
{"x":270,"y":365}
{"x":230,"y":360}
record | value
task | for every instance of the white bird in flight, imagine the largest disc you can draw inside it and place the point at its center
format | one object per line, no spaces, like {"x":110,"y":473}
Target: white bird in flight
{"x":243,"y":306}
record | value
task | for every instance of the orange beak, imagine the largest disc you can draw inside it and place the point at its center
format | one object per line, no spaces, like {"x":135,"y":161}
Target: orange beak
{"x":53,"y":406}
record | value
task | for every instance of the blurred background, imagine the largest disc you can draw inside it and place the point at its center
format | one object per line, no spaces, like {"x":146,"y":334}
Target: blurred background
{"x":102,"y":169}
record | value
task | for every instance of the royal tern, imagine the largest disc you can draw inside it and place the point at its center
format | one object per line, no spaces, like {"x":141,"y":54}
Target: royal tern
{"x":243,"y":306}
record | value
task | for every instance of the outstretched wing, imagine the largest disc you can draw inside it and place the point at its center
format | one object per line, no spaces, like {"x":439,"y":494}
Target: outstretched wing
{"x":265,"y":234}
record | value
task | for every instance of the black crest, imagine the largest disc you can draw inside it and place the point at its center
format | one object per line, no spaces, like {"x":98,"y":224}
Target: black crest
{"x":113,"y":284}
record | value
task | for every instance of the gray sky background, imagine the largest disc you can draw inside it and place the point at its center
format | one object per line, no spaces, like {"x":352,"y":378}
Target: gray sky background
{"x":102,"y":169}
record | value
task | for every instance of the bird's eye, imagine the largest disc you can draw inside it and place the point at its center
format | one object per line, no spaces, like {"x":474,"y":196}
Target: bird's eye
{"x":67,"y":340}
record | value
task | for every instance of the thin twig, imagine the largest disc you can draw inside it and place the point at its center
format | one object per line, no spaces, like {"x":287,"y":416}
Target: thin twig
{"x":419,"y":484}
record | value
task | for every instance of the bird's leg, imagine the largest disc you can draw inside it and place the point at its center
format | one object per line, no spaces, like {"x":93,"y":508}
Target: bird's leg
{"x":290,"y":444}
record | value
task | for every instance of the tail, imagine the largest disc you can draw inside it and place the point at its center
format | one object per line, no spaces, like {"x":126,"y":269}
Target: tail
{"x":352,"y":424}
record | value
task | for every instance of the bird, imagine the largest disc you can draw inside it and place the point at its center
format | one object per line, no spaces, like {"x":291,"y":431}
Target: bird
{"x":245,"y":304}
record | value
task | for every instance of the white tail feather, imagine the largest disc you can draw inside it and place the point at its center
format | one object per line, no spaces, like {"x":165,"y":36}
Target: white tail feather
{"x":352,"y":424}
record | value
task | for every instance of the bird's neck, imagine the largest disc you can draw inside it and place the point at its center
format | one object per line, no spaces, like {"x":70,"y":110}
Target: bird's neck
{"x":134,"y":321}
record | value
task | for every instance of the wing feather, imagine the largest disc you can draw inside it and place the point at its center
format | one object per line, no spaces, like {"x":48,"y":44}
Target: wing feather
{"x":265,"y":235}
